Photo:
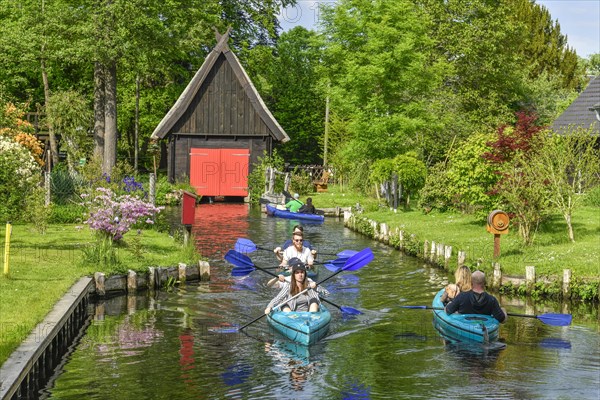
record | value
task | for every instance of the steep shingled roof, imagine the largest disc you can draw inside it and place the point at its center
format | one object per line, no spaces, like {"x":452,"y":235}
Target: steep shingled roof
{"x":188,"y":94}
{"x":578,"y":114}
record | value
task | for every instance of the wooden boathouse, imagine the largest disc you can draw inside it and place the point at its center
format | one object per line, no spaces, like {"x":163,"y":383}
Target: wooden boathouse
{"x":218,"y":127}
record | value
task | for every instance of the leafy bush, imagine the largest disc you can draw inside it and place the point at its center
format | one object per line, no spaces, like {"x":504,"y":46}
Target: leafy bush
{"x":36,"y":211}
{"x":170,"y":194}
{"x":66,"y":214}
{"x":256,"y":179}
{"x":435,"y":195}
{"x":63,"y":187}
{"x":301,"y":182}
{"x":592,"y":197}
{"x":19,"y":176}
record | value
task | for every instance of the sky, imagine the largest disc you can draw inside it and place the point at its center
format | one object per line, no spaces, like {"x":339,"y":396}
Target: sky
{"x":579,"y":20}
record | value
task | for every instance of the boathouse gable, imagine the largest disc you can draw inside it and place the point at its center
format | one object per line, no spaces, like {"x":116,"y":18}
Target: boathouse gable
{"x":218,"y":127}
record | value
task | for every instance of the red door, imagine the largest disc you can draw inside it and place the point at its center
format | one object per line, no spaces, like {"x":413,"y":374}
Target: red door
{"x":219,"y":172}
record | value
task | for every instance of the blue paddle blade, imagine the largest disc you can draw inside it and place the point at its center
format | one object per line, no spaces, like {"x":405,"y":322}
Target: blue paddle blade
{"x":555,"y":343}
{"x":556,"y":319}
{"x":331,"y":267}
{"x":245,"y":246}
{"x":238,"y":259}
{"x":359,"y":260}
{"x":346,"y":253}
{"x":338,"y":262}
{"x":350,"y":310}
{"x":241,"y":271}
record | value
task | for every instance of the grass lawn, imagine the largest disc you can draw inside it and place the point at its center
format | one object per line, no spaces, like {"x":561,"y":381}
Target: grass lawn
{"x":550,"y":253}
{"x":43,"y":268}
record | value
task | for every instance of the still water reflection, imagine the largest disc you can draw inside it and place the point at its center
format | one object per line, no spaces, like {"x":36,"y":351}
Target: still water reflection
{"x":170,"y":345}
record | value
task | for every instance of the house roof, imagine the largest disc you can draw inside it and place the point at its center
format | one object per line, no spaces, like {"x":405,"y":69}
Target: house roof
{"x":579,"y":113}
{"x":187,"y":96}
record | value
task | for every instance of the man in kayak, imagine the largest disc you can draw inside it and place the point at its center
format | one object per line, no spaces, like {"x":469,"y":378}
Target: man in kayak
{"x":279,"y":250}
{"x":308,"y":208}
{"x":294,"y":204}
{"x":297,"y":250}
{"x":477,"y":301}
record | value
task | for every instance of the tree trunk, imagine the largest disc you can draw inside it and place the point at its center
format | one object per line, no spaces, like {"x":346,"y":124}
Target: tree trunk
{"x":570,"y":227}
{"x":137,"y":124}
{"x":99,"y":89}
{"x":110,"y":133}
{"x":53,"y":143}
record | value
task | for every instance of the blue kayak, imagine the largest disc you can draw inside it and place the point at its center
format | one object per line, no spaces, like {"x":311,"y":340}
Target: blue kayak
{"x":275,"y":212}
{"x":457,"y":327}
{"x":301,"y":326}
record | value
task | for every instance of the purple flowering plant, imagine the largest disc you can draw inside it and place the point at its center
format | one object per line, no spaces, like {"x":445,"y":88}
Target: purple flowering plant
{"x":112,"y":216}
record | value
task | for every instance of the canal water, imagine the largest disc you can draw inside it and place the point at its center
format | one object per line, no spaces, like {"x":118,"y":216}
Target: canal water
{"x":172,"y":344}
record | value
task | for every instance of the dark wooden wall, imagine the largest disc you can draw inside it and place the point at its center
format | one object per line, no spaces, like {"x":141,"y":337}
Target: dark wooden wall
{"x":221,"y":107}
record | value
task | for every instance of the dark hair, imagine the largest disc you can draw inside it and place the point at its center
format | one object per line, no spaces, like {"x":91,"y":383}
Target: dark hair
{"x":299,"y":227}
{"x":309,"y":200}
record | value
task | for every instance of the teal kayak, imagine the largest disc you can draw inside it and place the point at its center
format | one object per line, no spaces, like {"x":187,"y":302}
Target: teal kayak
{"x":457,"y":327}
{"x":301,"y":326}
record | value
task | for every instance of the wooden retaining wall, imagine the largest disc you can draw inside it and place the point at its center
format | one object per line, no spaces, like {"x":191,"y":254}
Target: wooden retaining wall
{"x":32,"y":365}
{"x":440,"y":254}
{"x":155,"y":278}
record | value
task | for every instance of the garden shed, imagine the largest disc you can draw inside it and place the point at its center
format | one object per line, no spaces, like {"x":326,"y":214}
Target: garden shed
{"x":584,"y":112}
{"x":218,"y":127}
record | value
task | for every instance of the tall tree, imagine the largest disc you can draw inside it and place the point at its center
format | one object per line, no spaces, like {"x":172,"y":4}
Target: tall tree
{"x":383,"y":75}
{"x":294,"y":97}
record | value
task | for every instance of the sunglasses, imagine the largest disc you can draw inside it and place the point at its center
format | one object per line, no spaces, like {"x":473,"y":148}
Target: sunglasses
{"x":297,"y":240}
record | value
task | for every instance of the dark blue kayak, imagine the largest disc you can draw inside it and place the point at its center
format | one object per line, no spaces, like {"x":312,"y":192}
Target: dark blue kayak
{"x":275,"y":212}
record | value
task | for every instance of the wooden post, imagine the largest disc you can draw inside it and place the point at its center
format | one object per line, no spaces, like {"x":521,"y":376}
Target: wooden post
{"x":287,"y":181}
{"x":439,"y":253}
{"x":47,"y":188}
{"x":204,"y":270}
{"x":529,"y":277}
{"x":151,"y":278}
{"x":182,"y":272}
{"x":566,"y":285}
{"x":447,"y":255}
{"x":497,"y":276}
{"x":99,"y":278}
{"x":131,"y":281}
{"x":401,"y":239}
{"x":496,"y":245}
{"x":152,"y":189}
{"x":432,"y":257}
{"x":426,"y":250}
{"x":462,"y":256}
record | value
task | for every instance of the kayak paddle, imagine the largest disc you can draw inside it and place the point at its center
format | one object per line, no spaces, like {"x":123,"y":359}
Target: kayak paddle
{"x":354,"y":263}
{"x":244,"y":245}
{"x":243,"y":263}
{"x":548,"y":319}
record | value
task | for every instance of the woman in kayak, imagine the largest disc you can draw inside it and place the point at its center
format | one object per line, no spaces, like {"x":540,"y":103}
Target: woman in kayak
{"x":298,"y":283}
{"x":462,"y":277}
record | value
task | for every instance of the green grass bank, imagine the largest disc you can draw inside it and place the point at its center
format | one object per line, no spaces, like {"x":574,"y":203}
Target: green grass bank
{"x":44,"y":266}
{"x":551,"y":252}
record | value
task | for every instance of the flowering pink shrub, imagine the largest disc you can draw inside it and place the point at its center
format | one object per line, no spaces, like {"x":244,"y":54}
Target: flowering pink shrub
{"x":112,"y":215}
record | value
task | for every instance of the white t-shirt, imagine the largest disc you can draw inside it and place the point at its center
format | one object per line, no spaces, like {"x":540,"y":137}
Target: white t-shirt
{"x":305,"y":255}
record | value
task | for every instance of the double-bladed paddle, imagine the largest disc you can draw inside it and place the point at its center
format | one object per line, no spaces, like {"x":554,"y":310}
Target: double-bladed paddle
{"x":548,"y":319}
{"x":244,"y":265}
{"x":244,"y":245}
{"x":354,"y":263}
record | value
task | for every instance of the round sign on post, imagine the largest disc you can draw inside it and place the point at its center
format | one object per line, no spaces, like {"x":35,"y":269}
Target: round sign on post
{"x":497,"y":223}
